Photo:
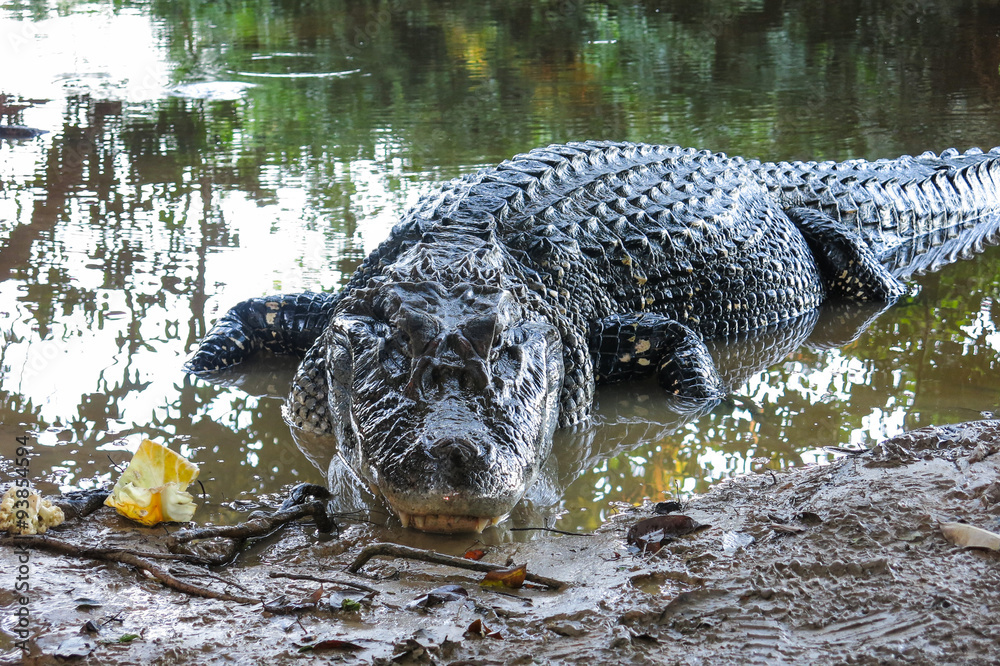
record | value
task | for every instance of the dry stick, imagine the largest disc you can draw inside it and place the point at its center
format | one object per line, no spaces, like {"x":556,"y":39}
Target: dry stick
{"x":317,"y":579}
{"x":123,"y":556}
{"x":395,"y":550}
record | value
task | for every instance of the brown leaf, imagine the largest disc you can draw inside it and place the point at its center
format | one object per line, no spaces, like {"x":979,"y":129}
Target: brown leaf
{"x":317,"y":595}
{"x":474,"y":554}
{"x":651,"y":534}
{"x":505,"y":577}
{"x":477,"y":628}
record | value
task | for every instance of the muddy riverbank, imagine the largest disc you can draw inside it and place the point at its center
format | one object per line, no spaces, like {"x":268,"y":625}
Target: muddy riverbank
{"x":839,"y":563}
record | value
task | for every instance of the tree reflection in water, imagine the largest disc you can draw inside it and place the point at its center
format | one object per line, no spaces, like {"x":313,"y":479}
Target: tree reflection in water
{"x":152,"y":205}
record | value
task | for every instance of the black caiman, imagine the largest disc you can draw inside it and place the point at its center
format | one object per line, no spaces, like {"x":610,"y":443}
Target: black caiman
{"x":500,"y":300}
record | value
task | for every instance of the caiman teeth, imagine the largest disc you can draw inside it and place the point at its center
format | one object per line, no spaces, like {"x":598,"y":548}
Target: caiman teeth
{"x":447,"y":523}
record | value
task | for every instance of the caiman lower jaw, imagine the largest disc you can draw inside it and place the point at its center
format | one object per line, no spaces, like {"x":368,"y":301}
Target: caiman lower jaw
{"x":447,"y":524}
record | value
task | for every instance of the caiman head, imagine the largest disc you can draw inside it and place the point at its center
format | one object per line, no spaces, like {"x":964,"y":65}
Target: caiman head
{"x":444,"y":398}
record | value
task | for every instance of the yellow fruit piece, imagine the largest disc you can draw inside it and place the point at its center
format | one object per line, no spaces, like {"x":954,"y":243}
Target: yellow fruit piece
{"x":151,"y":490}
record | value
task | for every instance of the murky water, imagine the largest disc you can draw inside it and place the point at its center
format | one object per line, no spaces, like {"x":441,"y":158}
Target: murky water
{"x":199,"y":154}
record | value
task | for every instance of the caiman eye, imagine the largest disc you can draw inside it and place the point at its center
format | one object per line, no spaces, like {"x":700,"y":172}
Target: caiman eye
{"x":362,"y":328}
{"x":396,"y":351}
{"x":508,"y":353}
{"x":414,"y":331}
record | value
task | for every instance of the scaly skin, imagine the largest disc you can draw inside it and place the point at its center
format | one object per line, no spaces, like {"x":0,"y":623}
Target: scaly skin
{"x":498,"y":302}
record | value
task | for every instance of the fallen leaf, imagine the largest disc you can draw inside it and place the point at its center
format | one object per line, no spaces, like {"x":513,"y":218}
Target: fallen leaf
{"x":350,"y":605}
{"x":412,"y":650}
{"x":317,"y":595}
{"x":331,"y":644}
{"x":87,"y":602}
{"x":474,"y":554}
{"x":439,"y":595}
{"x":651,"y":534}
{"x":506,"y":577}
{"x":477,"y":628}
{"x":968,"y":536}
{"x":128,"y":638}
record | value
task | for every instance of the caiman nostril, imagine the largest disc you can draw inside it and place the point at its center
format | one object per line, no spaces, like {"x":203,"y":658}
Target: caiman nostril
{"x":458,"y":450}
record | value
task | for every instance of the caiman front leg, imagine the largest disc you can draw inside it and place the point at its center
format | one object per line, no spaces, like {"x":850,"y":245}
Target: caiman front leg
{"x":626,"y":346}
{"x":282,"y":324}
{"x":850,"y":270}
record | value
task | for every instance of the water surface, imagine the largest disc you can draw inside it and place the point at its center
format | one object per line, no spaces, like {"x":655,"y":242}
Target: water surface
{"x":198,"y":154}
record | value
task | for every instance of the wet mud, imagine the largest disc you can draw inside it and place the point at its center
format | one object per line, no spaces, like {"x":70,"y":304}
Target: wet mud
{"x":831,"y":564}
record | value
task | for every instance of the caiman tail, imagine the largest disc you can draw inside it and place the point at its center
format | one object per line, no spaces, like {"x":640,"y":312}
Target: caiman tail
{"x":916,"y":214}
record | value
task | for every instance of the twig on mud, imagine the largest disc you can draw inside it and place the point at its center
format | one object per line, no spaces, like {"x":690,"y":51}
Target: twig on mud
{"x":257,"y":526}
{"x":206,"y":574}
{"x":124,"y":556}
{"x":317,"y":579}
{"x":549,"y":529}
{"x":43,"y":542}
{"x":395,"y":550}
